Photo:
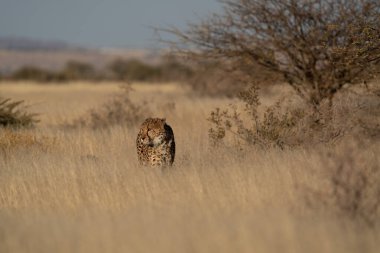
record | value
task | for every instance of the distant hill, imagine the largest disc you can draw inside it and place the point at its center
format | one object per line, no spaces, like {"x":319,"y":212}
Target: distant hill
{"x":53,"y":55}
{"x":18,"y":43}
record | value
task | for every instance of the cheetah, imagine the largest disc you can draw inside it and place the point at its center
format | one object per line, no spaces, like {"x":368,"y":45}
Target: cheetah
{"x":155,"y":143}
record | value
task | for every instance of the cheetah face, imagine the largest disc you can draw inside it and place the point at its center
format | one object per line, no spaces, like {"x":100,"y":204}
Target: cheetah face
{"x":153,"y":138}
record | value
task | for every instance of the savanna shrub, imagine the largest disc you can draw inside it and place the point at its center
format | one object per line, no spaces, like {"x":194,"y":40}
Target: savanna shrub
{"x":289,"y":124}
{"x":317,"y":46}
{"x":133,"y":70}
{"x":75,"y":70}
{"x":13,"y":114}
{"x":32,"y":73}
{"x":352,"y":175}
{"x":247,"y":127}
{"x":120,"y":110}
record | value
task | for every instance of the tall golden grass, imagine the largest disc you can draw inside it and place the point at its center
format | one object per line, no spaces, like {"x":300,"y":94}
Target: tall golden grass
{"x":81,"y":190}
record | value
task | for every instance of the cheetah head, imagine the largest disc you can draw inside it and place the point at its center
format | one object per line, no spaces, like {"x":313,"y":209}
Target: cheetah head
{"x":154,"y":133}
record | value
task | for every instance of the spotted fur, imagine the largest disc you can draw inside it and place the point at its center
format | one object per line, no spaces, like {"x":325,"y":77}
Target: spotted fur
{"x":155,"y":143}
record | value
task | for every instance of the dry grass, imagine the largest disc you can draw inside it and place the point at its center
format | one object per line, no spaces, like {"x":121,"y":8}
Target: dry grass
{"x":86,"y":193}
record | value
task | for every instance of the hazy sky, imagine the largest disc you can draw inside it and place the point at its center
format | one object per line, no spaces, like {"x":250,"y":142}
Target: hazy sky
{"x":98,"y":23}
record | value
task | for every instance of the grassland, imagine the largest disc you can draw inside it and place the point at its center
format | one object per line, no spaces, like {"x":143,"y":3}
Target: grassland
{"x":81,"y":190}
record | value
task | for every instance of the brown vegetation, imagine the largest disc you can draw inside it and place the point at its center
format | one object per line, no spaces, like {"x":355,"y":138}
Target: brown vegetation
{"x":318,"y":47}
{"x":280,"y":172}
{"x":58,"y":186}
{"x":169,"y":69}
{"x":13,"y":141}
{"x":120,"y":110}
{"x":352,"y":188}
{"x":14,"y":114}
{"x":290,"y":123}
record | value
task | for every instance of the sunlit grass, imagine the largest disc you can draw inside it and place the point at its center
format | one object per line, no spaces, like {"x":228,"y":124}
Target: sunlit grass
{"x":85,"y":192}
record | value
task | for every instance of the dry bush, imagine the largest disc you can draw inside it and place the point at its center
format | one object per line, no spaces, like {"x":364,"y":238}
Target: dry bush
{"x":246,"y":127}
{"x":13,"y":114}
{"x":351,"y":175}
{"x":290,"y":124}
{"x":212,"y":78}
{"x":75,"y":70}
{"x":120,"y":110}
{"x":318,"y":47}
{"x":34,"y":73}
{"x":172,"y":68}
{"x":133,"y":70}
{"x":169,"y":69}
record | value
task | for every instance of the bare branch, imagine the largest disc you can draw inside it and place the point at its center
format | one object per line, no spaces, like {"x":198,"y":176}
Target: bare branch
{"x":316,"y":45}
